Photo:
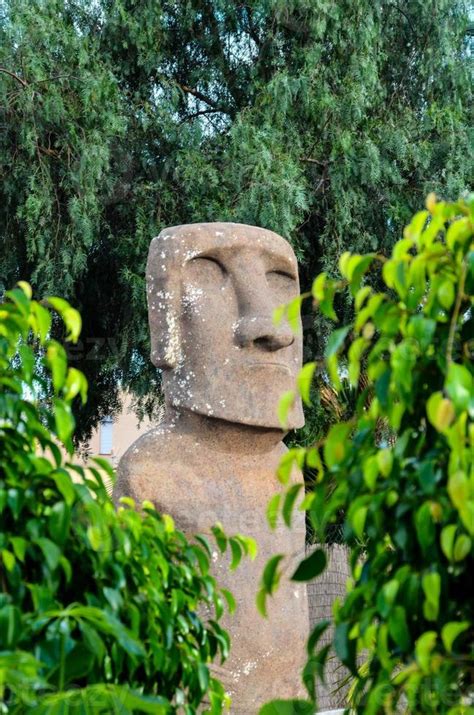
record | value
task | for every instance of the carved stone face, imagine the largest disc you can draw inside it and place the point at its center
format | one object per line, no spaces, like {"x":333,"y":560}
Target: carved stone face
{"x":212,"y":289}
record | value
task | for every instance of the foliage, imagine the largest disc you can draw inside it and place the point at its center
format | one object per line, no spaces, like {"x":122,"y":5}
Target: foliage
{"x":320,"y":120}
{"x":406,"y":492}
{"x":99,"y":608}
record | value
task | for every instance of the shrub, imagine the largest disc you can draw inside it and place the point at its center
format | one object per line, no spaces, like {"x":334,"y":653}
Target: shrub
{"x":98,"y":607}
{"x":400,"y":471}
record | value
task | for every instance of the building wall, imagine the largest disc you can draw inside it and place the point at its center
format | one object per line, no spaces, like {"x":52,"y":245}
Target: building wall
{"x":125,"y":429}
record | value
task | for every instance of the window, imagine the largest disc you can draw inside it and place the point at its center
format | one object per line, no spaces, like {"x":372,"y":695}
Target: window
{"x":105,"y":435}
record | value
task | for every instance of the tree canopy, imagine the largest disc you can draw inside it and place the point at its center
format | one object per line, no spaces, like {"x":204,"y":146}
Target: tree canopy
{"x":326,"y":122}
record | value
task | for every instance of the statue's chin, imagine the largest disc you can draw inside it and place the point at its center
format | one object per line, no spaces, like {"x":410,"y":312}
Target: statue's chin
{"x":265,"y":417}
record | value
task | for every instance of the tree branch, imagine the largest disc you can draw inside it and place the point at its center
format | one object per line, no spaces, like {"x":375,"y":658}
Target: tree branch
{"x":201,"y":113}
{"x":202,"y":97}
{"x":15,"y":76}
{"x":310,"y":160}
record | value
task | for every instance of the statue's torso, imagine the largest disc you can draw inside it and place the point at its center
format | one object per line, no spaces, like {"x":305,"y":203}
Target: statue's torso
{"x":199,"y":486}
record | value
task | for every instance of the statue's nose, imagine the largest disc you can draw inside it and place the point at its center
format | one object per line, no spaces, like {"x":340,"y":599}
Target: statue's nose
{"x":262,"y":333}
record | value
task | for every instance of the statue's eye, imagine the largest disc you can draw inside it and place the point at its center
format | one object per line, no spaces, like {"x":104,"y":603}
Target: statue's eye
{"x":283,"y":279}
{"x":206,"y":269}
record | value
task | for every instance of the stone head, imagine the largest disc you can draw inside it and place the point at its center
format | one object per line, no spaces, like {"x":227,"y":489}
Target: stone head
{"x":212,"y":289}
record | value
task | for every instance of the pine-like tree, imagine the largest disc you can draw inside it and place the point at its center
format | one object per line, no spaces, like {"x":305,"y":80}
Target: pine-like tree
{"x":325,"y":121}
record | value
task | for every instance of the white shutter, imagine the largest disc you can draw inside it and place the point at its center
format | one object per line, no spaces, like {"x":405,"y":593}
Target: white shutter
{"x":105,"y":435}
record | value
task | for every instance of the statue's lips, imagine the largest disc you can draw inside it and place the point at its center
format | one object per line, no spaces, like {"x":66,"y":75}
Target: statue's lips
{"x":266,"y":364}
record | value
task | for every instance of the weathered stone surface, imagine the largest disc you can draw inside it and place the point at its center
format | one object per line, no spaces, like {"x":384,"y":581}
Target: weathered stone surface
{"x":212,"y":289}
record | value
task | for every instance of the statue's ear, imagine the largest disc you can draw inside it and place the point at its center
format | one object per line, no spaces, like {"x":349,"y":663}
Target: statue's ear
{"x":164,"y":300}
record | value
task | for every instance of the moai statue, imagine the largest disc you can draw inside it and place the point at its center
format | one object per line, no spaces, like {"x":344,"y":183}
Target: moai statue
{"x":212,"y":289}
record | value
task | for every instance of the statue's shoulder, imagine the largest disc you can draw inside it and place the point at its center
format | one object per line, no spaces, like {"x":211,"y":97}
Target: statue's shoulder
{"x":150,"y":465}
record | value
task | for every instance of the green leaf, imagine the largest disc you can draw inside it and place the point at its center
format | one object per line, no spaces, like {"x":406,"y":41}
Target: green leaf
{"x":422,"y":329}
{"x":28,"y":361}
{"x":344,"y":263}
{"x":8,"y":559}
{"x":459,"y":489}
{"x":220,"y":537}
{"x":398,"y":628}
{"x":57,"y":362}
{"x":357,"y":520}
{"x":43,"y":320}
{"x":386,"y":597}
{"x":431,"y":583}
{"x":261,"y":602}
{"x":318,"y":287}
{"x":304,"y":380}
{"x":385,"y":461}
{"x":70,"y":316}
{"x":287,"y":707}
{"x":336,"y":341}
{"x":272,"y":510}
{"x":26,"y":288}
{"x":75,"y":384}
{"x":66,"y":567}
{"x":289,"y":503}
{"x":425,"y":528}
{"x":135,"y":702}
{"x":293,"y":314}
{"x":344,"y":645}
{"x":459,"y":386}
{"x":467,"y":516}
{"x":440,"y":411}
{"x":204,"y":541}
{"x":249,"y":545}
{"x":337,"y":445}
{"x":105,"y":622}
{"x":462,"y":547}
{"x":447,"y":541}
{"x":95,"y":537}
{"x":311,"y":567}
{"x":371,"y":471}
{"x":65,"y":485}
{"x":285,"y":466}
{"x":10,"y":626}
{"x":362,"y":295}
{"x":59,"y":522}
{"x":287,"y":400}
{"x":202,"y":559}
{"x":446,"y":294}
{"x":93,"y":641}
{"x":203,"y":676}
{"x":278,"y":314}
{"x":236,"y":551}
{"x":50,"y":551}
{"x":458,"y":232}
{"x":64,"y":420}
{"x":415,"y":227}
{"x":230,"y":600}
{"x":19,"y":545}
{"x":316,"y":634}
{"x":313,"y":461}
{"x":357,"y":270}
{"x":424,"y":646}
{"x":451,"y":631}
{"x":271,"y":574}
{"x":333,"y":370}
